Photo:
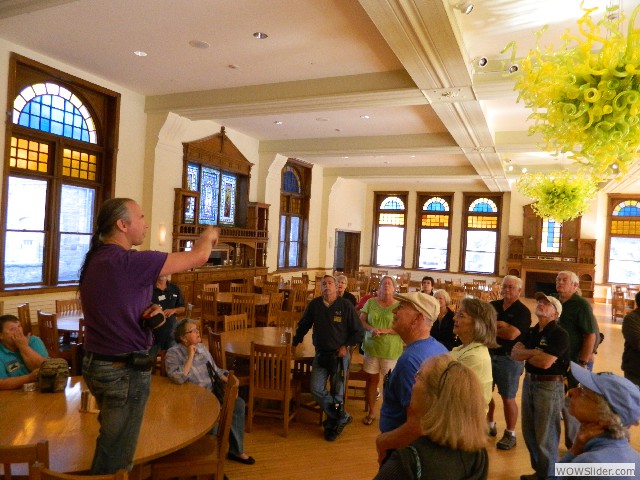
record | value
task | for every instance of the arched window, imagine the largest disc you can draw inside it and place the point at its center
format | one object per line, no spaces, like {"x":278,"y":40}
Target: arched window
{"x":551,"y":234}
{"x":624,"y":239}
{"x":61,"y":154}
{"x":481,"y":231}
{"x":434,"y":227}
{"x":294,"y":214}
{"x":390,"y":228}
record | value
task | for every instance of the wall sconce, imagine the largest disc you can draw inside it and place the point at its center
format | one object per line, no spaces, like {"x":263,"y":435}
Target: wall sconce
{"x":530,"y":238}
{"x":465,"y":7}
{"x":162,"y":234}
{"x":572,"y":239}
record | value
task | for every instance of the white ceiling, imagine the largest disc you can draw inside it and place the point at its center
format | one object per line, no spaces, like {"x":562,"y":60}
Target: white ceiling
{"x":409,"y":65}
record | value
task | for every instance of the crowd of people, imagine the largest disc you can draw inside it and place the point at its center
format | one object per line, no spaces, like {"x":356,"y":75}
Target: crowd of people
{"x":439,"y":367}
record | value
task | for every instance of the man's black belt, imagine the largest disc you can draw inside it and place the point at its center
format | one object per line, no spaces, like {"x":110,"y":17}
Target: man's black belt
{"x":545,"y":378}
{"x":123,"y":358}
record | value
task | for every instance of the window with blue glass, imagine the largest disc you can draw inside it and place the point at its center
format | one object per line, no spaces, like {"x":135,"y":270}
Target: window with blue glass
{"x":294,"y":214}
{"x":624,"y":239}
{"x":389,"y":229}
{"x":434,"y":231}
{"x":481,"y":233}
{"x":551,"y":235}
{"x":59,"y":170}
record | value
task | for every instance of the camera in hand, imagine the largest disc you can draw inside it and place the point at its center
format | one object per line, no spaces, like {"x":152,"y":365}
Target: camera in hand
{"x":153,"y":321}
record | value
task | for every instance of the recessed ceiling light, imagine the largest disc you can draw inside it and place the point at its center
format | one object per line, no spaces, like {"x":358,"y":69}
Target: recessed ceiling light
{"x":510,"y":168}
{"x":345,"y":157}
{"x":233,"y":66}
{"x":413,"y":156}
{"x":365,"y":117}
{"x":524,"y":170}
{"x":199,"y":44}
{"x":260,"y":35}
{"x":338,"y":130}
{"x":277,"y":122}
{"x":322,"y":119}
{"x":140,"y":53}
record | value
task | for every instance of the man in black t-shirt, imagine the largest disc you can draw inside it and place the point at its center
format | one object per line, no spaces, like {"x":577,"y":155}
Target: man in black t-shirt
{"x":514,"y":319}
{"x":545,"y":351}
{"x":168,"y":296}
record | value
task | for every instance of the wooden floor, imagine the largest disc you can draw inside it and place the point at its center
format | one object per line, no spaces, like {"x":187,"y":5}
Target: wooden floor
{"x":305,"y":455}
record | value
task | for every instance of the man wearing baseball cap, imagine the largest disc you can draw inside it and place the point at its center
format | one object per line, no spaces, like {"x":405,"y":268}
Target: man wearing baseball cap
{"x":412,"y":320}
{"x":545,"y":350}
{"x":605,"y":404}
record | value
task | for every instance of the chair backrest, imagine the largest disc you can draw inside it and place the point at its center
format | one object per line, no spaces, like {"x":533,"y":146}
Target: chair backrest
{"x":70,"y":305}
{"x":1,"y":307}
{"x":237,"y":288}
{"x":297,"y":281}
{"x":48,"y":330}
{"x":24,"y":315}
{"x":209,"y":308}
{"x":43,"y":473}
{"x":235,"y":322}
{"x":270,"y":371}
{"x":216,"y":349}
{"x":37,"y":453}
{"x":352,"y":284}
{"x":298,"y":298}
{"x":270,"y":287}
{"x":226,"y":415}
{"x":456,"y":298}
{"x":288,"y":319}
{"x":274,"y":308}
{"x":618,"y":305}
{"x":211,"y":287}
{"x":244,"y":303}
{"x":189,"y":311}
{"x":159,"y":367}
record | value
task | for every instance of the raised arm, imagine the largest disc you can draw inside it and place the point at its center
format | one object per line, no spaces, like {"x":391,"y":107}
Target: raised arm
{"x":198,"y":255}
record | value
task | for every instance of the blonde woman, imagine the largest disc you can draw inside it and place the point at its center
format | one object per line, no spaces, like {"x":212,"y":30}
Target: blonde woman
{"x":382,"y":346}
{"x":448,"y":398}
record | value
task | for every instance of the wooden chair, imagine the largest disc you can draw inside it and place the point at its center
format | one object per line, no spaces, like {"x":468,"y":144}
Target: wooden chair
{"x":24,"y":315}
{"x":287,"y":319}
{"x":237,"y":288}
{"x":70,"y":305}
{"x":235,"y":322}
{"x":357,"y":374}
{"x":30,"y":455}
{"x":297,"y":281}
{"x":48,"y":328}
{"x":352,"y":285}
{"x":244,"y":303}
{"x":216,"y":349}
{"x":42,"y":473}
{"x":273,"y":310}
{"x":205,"y":456}
{"x":456,"y":298}
{"x":270,"y":287}
{"x":159,"y":367}
{"x":270,"y":379}
{"x":209,"y":310}
{"x":211,"y":287}
{"x":298,"y":298}
{"x":618,"y":306}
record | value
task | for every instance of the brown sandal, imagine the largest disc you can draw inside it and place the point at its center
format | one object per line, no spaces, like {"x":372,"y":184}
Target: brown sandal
{"x":368,"y":420}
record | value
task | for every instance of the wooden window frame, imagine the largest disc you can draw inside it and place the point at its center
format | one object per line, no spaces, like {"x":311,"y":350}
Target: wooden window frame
{"x":304,"y":171}
{"x":104,"y":106}
{"x":422,"y":198}
{"x":377,"y":200}
{"x":467,"y":199}
{"x":613,"y":199}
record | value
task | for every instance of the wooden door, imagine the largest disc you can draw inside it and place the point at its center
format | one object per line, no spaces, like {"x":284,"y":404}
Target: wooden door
{"x":347,"y":252}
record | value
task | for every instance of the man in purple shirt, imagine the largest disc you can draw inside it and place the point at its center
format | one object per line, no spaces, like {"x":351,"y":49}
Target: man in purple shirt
{"x":116,"y":284}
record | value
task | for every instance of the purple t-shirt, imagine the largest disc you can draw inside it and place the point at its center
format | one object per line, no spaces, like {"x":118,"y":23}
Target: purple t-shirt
{"x":116,"y":289}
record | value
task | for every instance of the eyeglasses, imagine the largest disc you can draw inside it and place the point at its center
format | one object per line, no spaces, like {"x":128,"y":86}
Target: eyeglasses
{"x":191,"y":331}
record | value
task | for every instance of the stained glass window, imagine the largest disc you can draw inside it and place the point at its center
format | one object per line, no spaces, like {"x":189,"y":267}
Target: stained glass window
{"x":193,"y":177}
{"x":551,"y":235}
{"x":433,"y":238}
{"x":481,"y":227}
{"x":624,"y":241}
{"x":227,"y":199}
{"x":209,"y":194}
{"x":389,"y":230}
{"x":290,"y":180}
{"x":51,"y":108}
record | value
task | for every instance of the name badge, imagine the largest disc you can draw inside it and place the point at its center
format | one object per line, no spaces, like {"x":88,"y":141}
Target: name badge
{"x":161,"y":297}
{"x":12,"y":367}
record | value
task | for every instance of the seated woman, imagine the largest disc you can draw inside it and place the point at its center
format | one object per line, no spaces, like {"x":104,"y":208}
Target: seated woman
{"x":451,"y":405}
{"x":187,"y":362}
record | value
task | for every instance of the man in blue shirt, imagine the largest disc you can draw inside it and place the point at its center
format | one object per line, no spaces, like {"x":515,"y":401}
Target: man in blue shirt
{"x":413,"y":319}
{"x":20,"y":355}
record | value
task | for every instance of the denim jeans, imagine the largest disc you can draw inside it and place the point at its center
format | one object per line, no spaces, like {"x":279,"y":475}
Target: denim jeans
{"x":541,"y":406}
{"x":321,"y":395}
{"x":236,"y":435}
{"x":121,"y":393}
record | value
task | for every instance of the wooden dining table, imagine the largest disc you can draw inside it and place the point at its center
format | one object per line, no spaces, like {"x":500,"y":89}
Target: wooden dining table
{"x":175,"y":416}
{"x":238,"y":343}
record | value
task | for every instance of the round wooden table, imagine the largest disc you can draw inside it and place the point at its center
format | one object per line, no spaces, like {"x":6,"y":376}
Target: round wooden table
{"x":226,"y":297}
{"x":238,"y":343}
{"x":175,"y":416}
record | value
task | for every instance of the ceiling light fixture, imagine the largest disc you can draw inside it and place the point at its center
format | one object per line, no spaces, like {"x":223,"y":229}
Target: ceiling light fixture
{"x":365,"y":117}
{"x":199,"y":44}
{"x":513,"y":68}
{"x":465,"y":7}
{"x":260,"y":35}
{"x":140,"y":53}
{"x":277,"y":122}
{"x":482,"y":62}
